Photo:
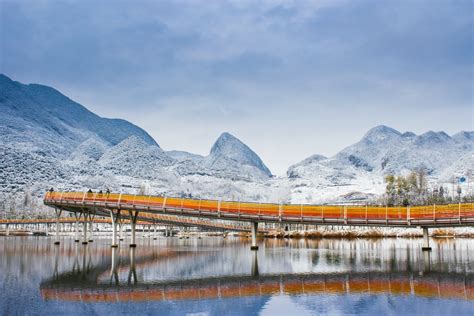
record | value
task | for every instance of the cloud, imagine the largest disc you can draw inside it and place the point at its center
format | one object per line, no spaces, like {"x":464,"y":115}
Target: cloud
{"x":279,"y":74}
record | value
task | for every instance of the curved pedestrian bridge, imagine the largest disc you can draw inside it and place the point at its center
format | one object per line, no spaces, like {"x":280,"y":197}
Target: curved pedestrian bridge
{"x":144,"y":219}
{"x":461,"y":214}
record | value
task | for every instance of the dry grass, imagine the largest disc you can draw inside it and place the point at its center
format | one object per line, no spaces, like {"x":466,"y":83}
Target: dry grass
{"x":442,"y":232}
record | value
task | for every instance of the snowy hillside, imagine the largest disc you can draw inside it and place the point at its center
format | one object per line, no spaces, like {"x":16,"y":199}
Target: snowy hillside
{"x":230,"y":155}
{"x":383,"y":150}
{"x":134,"y":157}
{"x":229,"y":158}
{"x":48,"y":140}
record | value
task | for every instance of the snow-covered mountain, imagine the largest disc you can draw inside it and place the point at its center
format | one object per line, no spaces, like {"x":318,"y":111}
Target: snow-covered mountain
{"x":91,"y":149}
{"x":134,"y":157}
{"x":229,"y":158}
{"x":45,"y":119}
{"x":384,"y":150}
{"x":229,"y":154}
{"x":47,"y":140}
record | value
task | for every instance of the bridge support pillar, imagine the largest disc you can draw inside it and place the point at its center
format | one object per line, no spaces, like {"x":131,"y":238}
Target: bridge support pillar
{"x":84,"y":230}
{"x":58,"y":214}
{"x":121,"y":230}
{"x":76,"y":234}
{"x":254,"y":236}
{"x":133,"y":223}
{"x":114,"y":219}
{"x":426,"y":240}
{"x":91,"y":228}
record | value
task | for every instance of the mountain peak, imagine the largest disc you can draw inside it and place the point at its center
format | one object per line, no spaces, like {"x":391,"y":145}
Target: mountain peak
{"x":408,"y":135}
{"x":381,"y":133}
{"x":229,"y":148}
{"x":224,"y":141}
{"x":431,"y":137}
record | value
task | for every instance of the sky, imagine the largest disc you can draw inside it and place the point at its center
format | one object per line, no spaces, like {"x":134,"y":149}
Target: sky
{"x":288,"y":78}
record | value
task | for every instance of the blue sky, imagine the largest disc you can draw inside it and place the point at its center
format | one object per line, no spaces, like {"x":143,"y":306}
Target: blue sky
{"x":289,"y":78}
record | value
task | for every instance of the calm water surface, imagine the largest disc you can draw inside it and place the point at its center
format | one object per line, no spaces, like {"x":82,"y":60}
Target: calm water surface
{"x":216,"y":276}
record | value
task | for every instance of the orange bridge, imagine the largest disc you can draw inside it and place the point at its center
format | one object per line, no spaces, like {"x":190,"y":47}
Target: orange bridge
{"x":142,"y":206}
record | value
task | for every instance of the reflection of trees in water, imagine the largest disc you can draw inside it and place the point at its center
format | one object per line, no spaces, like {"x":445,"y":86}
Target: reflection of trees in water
{"x":333,"y":258}
{"x":383,"y":254}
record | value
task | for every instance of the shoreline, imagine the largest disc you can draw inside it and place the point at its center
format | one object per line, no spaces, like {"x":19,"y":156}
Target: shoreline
{"x":441,"y":233}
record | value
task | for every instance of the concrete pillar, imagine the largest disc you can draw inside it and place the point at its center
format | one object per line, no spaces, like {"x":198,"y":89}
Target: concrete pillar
{"x":154,"y":231}
{"x":121,"y":230}
{"x":132,"y":238}
{"x":91,"y":228}
{"x":84,"y":230}
{"x":58,"y":214}
{"x":8,"y":230}
{"x":114,"y":229}
{"x":254,"y":236}
{"x":426,"y":240}
{"x":133,"y":223}
{"x":76,"y":236}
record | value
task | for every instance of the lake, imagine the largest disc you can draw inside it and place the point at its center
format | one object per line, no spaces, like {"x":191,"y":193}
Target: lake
{"x":222,"y":276}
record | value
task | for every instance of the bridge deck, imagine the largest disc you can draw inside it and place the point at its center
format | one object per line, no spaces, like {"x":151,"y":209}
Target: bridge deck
{"x":144,"y":219}
{"x":461,"y":214}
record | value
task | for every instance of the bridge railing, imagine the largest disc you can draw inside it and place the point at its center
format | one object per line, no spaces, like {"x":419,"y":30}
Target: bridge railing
{"x":349,"y":212}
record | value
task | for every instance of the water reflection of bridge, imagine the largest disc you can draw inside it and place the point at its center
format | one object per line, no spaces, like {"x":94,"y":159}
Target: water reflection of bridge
{"x":87,"y":284}
{"x":432,"y":285}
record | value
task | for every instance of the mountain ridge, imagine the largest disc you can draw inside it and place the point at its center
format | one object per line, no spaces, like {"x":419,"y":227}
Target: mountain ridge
{"x":45,"y":110}
{"x":44,"y":145}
